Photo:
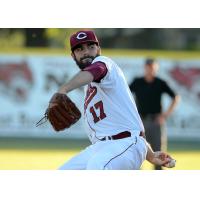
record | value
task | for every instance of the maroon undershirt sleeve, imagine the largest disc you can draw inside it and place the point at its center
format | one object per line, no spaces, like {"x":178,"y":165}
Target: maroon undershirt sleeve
{"x":98,"y":70}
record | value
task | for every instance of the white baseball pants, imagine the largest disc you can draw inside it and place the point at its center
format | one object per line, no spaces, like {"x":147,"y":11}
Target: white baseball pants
{"x":122,"y":154}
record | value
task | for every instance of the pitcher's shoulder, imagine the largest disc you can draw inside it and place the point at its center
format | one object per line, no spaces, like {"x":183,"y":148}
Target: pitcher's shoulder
{"x":102,"y":59}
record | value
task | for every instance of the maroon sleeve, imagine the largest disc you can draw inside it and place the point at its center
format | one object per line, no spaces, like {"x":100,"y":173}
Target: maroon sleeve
{"x":98,"y":70}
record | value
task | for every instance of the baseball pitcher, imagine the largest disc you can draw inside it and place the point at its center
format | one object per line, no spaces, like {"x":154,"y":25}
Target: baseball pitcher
{"x":114,"y":125}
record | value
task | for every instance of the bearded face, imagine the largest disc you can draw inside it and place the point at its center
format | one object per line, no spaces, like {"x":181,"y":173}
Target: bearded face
{"x":85,"y":53}
{"x":85,"y":61}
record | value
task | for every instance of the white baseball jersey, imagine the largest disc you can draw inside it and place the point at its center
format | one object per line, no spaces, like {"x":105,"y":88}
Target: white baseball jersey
{"x":109,"y":105}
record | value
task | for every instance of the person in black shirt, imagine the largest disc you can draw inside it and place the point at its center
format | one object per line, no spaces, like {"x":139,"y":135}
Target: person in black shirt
{"x":148,"y":91}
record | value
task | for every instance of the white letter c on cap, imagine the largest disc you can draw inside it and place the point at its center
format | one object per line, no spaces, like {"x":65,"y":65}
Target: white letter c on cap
{"x":81,"y":35}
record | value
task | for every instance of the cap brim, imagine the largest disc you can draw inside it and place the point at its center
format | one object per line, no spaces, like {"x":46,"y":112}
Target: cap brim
{"x":85,"y":41}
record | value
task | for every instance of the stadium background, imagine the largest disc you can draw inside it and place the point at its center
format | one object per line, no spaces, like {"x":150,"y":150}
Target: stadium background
{"x":34,"y":62}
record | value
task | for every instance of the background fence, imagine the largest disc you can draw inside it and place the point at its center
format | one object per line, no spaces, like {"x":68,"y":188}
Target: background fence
{"x":28,"y":78}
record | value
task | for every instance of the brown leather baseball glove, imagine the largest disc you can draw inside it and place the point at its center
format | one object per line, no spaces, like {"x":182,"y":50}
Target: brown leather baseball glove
{"x":61,"y":113}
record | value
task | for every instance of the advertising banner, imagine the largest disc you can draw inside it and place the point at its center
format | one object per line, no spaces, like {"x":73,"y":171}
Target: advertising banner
{"x":27,"y":83}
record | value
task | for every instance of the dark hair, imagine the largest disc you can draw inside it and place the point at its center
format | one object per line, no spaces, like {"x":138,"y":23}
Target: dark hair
{"x":150,"y":61}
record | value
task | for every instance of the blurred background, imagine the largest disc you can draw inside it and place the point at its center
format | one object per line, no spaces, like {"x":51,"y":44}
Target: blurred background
{"x":120,"y":38}
{"x":35,"y":62}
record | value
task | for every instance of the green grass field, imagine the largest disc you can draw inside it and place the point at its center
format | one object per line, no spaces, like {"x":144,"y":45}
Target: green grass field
{"x":43,"y":154}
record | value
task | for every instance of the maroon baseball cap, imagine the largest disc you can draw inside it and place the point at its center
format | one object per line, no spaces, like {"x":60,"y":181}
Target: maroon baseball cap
{"x":82,"y":37}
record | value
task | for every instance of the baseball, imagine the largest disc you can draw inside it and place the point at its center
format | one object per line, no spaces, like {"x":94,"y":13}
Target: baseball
{"x":171,"y":164}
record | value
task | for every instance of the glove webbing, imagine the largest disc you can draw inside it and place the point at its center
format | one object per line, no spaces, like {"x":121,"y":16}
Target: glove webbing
{"x":42,"y":120}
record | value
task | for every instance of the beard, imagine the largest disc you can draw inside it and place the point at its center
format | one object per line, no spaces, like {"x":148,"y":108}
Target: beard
{"x":85,"y":61}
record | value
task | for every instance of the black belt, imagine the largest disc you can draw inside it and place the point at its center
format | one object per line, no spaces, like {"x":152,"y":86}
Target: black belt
{"x":121,"y":135}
